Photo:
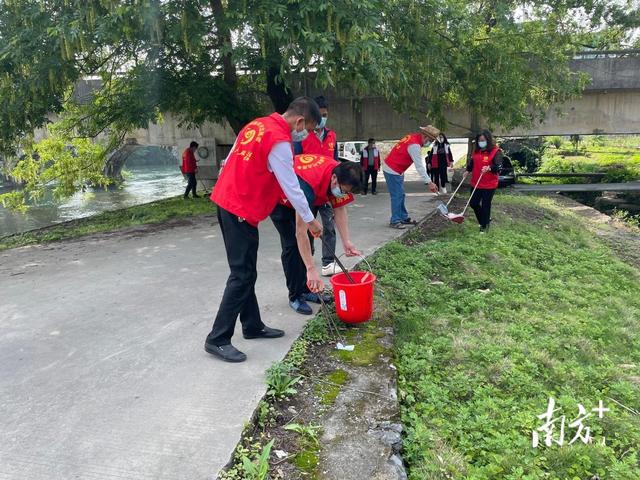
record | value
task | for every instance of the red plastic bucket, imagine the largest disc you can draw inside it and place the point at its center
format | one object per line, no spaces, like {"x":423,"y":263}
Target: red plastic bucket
{"x":354,"y":301}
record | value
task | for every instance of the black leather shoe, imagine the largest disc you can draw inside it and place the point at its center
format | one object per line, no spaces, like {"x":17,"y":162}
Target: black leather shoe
{"x":228,"y":353}
{"x":266,"y":332}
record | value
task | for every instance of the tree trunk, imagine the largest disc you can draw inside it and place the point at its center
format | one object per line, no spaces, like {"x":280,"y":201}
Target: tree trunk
{"x":281,"y":96}
{"x":235,"y":116}
{"x":474,"y":121}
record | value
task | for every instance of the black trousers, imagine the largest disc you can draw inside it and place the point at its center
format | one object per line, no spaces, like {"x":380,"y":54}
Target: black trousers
{"x":370,"y":172}
{"x":481,"y":204}
{"x":239,"y":299}
{"x":295,"y":272}
{"x":191,"y":184}
{"x":439,"y":174}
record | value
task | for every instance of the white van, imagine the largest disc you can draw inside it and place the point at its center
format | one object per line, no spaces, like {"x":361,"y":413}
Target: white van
{"x":350,"y":150}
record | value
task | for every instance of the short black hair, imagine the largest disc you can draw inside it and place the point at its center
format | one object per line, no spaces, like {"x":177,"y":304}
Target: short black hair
{"x":489,"y":136}
{"x":321,"y":101}
{"x":307,"y":107}
{"x":371,"y":140}
{"x":349,"y":173}
{"x":194,"y":145}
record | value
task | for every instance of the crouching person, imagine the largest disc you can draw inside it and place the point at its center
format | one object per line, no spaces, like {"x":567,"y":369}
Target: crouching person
{"x":323,"y":180}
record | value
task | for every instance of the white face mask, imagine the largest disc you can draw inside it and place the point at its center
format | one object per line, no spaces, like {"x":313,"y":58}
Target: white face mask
{"x":297,"y":136}
{"x":337,"y":192}
{"x":482,"y":143}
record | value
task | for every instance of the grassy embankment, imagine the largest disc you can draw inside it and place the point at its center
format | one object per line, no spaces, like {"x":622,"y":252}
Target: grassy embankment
{"x":488,"y":327}
{"x":149,"y":213}
{"x":618,"y":157}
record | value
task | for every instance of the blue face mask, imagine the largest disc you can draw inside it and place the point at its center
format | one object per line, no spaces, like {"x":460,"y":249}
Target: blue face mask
{"x":482,"y":144}
{"x":337,"y":192}
{"x":322,"y":124}
{"x":297,"y":136}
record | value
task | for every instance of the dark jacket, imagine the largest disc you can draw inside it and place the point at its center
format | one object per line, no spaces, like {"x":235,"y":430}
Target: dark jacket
{"x":448,"y":155}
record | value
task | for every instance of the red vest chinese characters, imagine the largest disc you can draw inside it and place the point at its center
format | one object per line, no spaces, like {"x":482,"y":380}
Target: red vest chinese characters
{"x":317,"y":170}
{"x":246,"y":187}
{"x":480,"y":159}
{"x":312,"y":144}
{"x":399,"y":159}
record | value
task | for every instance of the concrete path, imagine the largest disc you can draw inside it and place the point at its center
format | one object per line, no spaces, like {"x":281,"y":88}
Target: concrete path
{"x":102,"y":370}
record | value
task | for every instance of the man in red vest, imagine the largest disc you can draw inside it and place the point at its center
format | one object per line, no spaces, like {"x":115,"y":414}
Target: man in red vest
{"x":370,"y":163}
{"x":323,"y":181}
{"x":257,"y":171}
{"x":405,"y":153}
{"x":190,"y":168}
{"x":323,"y":142}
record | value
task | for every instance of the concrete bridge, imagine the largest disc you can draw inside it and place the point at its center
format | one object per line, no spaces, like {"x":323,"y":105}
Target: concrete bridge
{"x":609,"y":105}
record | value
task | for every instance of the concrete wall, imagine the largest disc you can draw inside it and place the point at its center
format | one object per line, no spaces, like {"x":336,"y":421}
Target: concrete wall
{"x":610,"y":72}
{"x":610,"y":112}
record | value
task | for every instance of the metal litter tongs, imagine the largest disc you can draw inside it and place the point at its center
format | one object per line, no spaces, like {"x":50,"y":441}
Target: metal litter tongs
{"x":341,"y":343}
{"x":443,"y":208}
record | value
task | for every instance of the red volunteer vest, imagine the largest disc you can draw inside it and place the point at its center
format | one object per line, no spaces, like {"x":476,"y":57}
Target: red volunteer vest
{"x":317,"y":170}
{"x":246,"y":187}
{"x":399,"y":159}
{"x":481,"y":158}
{"x":364,"y":158}
{"x":189,"y":164}
{"x":312,"y":144}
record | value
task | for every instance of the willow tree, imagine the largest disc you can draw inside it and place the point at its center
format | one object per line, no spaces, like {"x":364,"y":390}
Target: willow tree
{"x":202,"y":60}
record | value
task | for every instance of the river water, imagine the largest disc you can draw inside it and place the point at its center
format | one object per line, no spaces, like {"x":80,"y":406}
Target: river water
{"x":142,"y":185}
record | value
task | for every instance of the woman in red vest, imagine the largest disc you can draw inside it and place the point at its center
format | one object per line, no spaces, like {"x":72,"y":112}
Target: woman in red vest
{"x":258,"y":170}
{"x":484,"y":165}
{"x":440,"y":158}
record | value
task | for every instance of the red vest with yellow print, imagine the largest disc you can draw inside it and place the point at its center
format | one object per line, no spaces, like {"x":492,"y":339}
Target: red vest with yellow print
{"x":317,"y":170}
{"x":480,"y":159}
{"x":399,"y":159}
{"x":312,"y":144}
{"x":246,"y":187}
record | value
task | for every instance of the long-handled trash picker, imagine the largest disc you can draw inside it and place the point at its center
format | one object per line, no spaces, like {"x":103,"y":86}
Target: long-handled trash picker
{"x":459,"y":217}
{"x":443,"y":209}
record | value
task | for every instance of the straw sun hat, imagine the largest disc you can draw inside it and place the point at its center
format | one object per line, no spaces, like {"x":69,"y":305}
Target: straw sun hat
{"x":431,"y":131}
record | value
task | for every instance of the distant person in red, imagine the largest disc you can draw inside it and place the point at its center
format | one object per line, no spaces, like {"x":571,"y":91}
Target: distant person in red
{"x":189,"y":168}
{"x":440,"y":158}
{"x":370,"y":163}
{"x":486,"y":161}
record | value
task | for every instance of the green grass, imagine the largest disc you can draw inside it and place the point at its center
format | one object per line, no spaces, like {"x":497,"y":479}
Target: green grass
{"x":537,"y":307}
{"x":618,"y":157}
{"x":149,"y":213}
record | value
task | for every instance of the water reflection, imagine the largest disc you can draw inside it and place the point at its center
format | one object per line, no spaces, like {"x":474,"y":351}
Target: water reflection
{"x":145,"y":184}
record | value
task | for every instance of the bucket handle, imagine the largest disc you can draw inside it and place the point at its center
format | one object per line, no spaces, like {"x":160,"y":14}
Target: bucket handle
{"x":361,"y":258}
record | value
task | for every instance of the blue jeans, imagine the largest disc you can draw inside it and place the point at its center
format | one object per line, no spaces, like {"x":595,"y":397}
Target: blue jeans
{"x":395,"y":185}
